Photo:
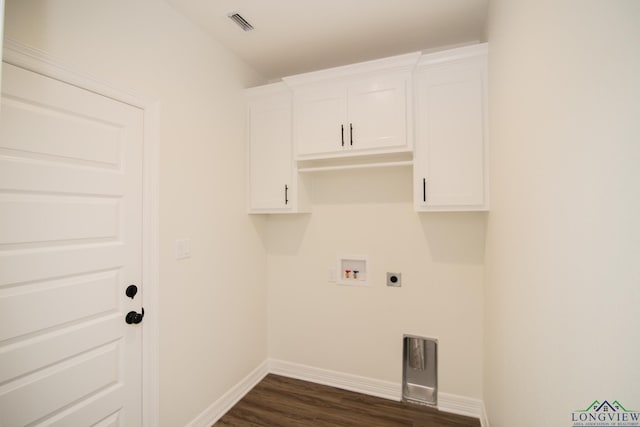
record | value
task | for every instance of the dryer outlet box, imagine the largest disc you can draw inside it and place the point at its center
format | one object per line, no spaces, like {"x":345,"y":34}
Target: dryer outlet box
{"x":394,"y":279}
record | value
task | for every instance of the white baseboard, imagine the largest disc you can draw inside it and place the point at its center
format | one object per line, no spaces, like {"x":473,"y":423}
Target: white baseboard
{"x":220,"y":407}
{"x":364,"y":385}
{"x":484,"y":419}
{"x":447,"y":402}
{"x":460,"y":405}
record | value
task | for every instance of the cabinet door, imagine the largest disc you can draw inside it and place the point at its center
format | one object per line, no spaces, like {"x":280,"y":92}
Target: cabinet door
{"x":377,"y":112}
{"x":450,"y":171}
{"x":320,"y":119}
{"x":270,"y":155}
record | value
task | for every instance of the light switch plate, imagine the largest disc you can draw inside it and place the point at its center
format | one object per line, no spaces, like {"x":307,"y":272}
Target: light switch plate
{"x":183,"y":248}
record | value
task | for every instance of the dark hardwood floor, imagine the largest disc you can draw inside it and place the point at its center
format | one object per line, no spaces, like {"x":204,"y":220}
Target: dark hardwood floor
{"x":285,"y":402}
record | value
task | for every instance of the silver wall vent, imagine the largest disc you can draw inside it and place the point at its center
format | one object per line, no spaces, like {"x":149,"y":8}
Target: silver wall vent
{"x":242,"y":23}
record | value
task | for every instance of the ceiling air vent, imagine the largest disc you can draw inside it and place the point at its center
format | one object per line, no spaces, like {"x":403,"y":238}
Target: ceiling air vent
{"x":242,"y":23}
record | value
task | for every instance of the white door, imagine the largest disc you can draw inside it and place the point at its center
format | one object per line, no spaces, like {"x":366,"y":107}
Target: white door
{"x":378,"y":113}
{"x":70,"y":244}
{"x":320,"y":118}
{"x":450,"y":130}
{"x":270,"y":153}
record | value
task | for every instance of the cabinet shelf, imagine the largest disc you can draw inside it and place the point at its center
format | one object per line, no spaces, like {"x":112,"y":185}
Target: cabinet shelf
{"x":352,"y":166}
{"x":396,"y":159}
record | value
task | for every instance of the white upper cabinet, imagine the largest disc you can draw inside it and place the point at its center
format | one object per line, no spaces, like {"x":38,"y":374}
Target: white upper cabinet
{"x":451,"y":146}
{"x":272,"y":176}
{"x":321,"y":113}
{"x":428,"y":111}
{"x":342,"y":117}
{"x":378,"y":112}
{"x":354,"y":110}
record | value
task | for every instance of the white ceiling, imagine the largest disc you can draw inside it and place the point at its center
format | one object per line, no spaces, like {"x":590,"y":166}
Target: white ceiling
{"x":296,"y":36}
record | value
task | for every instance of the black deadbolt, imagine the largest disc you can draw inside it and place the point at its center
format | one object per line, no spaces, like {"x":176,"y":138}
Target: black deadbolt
{"x":131,"y":291}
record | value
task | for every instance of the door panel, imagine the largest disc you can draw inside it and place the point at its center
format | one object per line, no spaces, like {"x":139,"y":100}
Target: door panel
{"x":70,"y":243}
{"x":35,"y":396}
{"x":28,"y":354}
{"x":377,"y":111}
{"x":320,"y":118}
{"x":62,"y":135}
{"x":453,"y":129}
{"x":97,"y":291}
{"x":270,"y":153}
{"x":55,"y":218}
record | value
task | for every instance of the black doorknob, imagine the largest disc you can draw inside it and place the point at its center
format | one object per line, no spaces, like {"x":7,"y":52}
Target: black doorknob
{"x":133,"y":317}
{"x":131,"y":291}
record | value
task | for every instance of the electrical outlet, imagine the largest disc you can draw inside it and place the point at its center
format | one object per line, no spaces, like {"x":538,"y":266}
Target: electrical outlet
{"x":394,"y":279}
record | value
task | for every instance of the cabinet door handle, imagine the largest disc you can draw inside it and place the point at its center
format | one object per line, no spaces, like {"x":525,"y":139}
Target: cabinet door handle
{"x":342,"y":134}
{"x":351,"y":134}
{"x":424,"y":189}
{"x":286,"y":194}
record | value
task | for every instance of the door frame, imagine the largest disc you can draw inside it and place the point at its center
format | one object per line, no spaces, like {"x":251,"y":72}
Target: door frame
{"x":20,"y":55}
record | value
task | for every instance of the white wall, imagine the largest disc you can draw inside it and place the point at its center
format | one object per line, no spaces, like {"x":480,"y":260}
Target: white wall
{"x":359,"y":330}
{"x":212,"y":306}
{"x":563,"y":284}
